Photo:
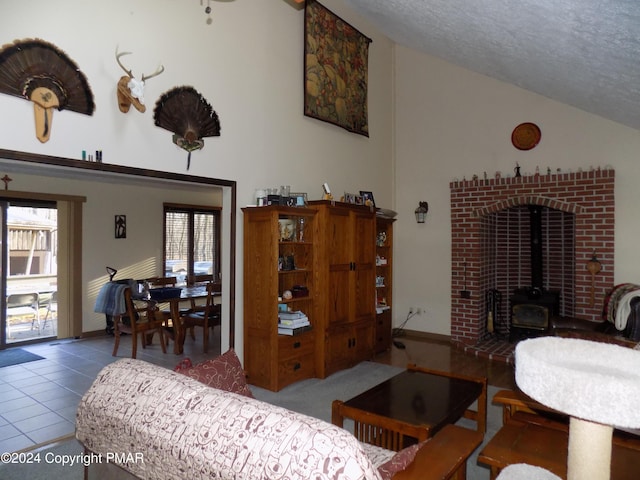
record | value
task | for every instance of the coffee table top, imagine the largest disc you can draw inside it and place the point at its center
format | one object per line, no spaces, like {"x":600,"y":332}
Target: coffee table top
{"x":430,"y":400}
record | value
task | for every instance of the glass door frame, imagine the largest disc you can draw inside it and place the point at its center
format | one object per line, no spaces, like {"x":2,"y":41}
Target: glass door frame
{"x":4,"y":255}
{"x":6,"y":203}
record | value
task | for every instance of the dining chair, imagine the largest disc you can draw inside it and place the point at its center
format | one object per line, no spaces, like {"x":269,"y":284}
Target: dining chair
{"x":204,"y":316}
{"x":200,"y":278}
{"x":143,"y":321}
{"x":23,"y":305}
{"x":164,"y":310}
{"x":162,"y":281}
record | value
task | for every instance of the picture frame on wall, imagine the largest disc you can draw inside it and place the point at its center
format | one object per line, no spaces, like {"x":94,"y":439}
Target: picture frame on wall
{"x":120,"y":226}
{"x":368,"y":198}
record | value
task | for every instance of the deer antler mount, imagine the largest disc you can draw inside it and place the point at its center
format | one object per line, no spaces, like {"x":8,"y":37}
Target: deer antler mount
{"x":130,"y":90}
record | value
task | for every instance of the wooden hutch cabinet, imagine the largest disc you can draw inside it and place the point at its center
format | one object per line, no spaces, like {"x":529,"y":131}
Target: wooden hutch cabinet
{"x":384,"y":282}
{"x":346,"y":293}
{"x":279,"y":254}
{"x":330,"y":249}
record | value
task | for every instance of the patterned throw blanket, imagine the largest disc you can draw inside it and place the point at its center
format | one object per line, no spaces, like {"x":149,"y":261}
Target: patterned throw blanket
{"x":617,"y":304}
{"x":111,"y":299}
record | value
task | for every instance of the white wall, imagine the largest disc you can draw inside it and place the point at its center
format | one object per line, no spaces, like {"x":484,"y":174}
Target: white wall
{"x":452,"y":123}
{"x":248,"y":64}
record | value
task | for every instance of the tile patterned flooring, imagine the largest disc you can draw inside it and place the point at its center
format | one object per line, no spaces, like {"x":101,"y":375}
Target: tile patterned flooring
{"x":38,"y":400}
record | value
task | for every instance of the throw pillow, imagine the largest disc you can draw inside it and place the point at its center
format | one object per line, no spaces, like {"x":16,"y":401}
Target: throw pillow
{"x":399,"y":461}
{"x":223,"y":372}
{"x":183,"y":365}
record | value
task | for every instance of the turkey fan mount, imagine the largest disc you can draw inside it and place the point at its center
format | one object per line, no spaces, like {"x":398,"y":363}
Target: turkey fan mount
{"x":187,"y":114}
{"x":42,"y":73}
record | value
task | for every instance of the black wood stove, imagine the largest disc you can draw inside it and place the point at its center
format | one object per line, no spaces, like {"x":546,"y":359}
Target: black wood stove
{"x":531,"y":307}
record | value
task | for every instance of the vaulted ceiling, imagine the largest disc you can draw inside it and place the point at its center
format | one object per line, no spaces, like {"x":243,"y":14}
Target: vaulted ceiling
{"x":584,"y":53}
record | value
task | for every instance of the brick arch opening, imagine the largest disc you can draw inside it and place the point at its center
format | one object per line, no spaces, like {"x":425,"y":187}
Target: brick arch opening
{"x":528,"y":200}
{"x":507,"y":259}
{"x":489,"y":236}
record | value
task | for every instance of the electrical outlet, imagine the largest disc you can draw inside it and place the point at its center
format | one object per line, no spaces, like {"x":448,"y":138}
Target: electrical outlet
{"x":411,"y":310}
{"x":419,"y":311}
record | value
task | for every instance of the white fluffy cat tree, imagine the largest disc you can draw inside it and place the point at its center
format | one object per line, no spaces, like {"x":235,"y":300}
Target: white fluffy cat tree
{"x":596,"y":384}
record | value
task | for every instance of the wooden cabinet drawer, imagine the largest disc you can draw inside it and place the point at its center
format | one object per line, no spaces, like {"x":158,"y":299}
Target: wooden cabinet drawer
{"x":295,"y":345}
{"x":295,"y":369}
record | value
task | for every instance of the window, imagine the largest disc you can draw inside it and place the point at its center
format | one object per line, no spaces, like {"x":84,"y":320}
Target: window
{"x":32,"y":229}
{"x":191,"y":242}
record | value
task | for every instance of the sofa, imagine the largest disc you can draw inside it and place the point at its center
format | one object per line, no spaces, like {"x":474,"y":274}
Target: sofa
{"x":620,"y":319}
{"x":160,"y":424}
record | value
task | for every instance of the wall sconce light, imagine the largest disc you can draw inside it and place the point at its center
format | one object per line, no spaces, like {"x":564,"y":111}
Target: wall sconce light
{"x":421,"y":212}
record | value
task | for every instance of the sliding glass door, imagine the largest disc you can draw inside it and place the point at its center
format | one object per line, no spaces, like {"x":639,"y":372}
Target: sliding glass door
{"x":29,"y":270}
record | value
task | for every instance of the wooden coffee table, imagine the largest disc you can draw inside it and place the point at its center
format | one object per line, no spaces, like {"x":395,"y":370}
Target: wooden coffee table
{"x":412,"y":406}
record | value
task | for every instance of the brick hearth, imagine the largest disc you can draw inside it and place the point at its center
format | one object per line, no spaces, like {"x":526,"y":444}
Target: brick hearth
{"x":491,"y":250}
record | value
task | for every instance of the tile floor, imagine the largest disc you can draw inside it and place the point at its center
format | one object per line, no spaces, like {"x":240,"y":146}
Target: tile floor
{"x":38,"y":399}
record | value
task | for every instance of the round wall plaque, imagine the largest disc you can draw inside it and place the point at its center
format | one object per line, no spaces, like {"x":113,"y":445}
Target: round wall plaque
{"x":526,"y":136}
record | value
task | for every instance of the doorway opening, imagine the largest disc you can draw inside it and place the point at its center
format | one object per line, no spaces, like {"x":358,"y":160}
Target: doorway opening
{"x":29,"y":271}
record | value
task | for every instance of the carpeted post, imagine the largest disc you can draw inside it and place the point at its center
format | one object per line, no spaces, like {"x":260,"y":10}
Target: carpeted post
{"x":589,"y":450}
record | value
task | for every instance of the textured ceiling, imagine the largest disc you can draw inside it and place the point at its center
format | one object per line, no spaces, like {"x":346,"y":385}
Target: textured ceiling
{"x":585,"y":53}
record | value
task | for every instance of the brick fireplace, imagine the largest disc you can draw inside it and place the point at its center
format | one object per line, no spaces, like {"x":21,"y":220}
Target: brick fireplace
{"x":492,"y":247}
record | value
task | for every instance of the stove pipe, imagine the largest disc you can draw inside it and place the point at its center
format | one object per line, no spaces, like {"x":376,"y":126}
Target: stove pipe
{"x":535,"y":219}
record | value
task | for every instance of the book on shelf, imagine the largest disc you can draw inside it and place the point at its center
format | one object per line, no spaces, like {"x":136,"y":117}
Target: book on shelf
{"x":294,"y":331}
{"x":293,"y":322}
{"x":298,"y":322}
{"x":291,"y":315}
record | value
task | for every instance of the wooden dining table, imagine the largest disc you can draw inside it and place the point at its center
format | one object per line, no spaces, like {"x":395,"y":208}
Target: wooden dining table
{"x":190,"y":293}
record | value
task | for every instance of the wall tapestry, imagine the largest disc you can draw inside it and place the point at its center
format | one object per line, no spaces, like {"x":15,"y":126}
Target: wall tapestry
{"x":335,"y":70}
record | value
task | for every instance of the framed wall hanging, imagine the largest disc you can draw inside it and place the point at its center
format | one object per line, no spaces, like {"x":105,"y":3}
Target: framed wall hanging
{"x":335,"y":70}
{"x":120,"y":226}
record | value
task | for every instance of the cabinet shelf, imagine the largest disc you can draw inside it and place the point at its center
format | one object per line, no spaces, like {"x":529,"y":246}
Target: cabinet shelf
{"x":384,"y":252}
{"x":294,"y":300}
{"x":295,"y":270}
{"x":273,"y":360}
